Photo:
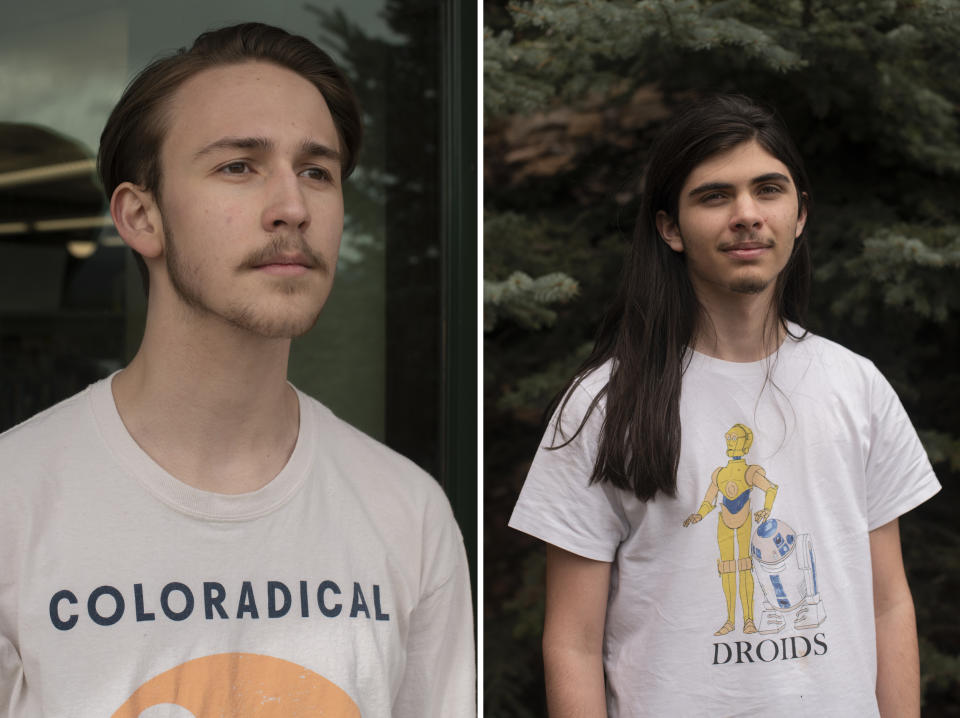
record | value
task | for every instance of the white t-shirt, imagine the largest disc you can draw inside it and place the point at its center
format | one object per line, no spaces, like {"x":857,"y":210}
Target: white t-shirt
{"x":829,"y":433}
{"x":339,"y":589}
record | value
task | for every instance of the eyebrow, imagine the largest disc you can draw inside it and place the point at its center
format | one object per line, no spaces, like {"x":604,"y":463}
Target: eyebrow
{"x":308,"y":148}
{"x":714,"y":186}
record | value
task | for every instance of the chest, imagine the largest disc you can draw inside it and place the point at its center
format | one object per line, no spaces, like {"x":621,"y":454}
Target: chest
{"x":142,"y":604}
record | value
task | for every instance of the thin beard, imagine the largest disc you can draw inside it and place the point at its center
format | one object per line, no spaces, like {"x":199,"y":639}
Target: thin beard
{"x":241,"y":317}
{"x":749,"y":286}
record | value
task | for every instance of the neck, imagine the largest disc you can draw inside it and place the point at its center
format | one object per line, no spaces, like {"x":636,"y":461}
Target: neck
{"x":738,"y":327}
{"x":209,"y":402}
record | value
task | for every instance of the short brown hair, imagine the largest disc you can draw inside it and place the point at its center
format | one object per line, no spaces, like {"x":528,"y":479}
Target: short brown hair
{"x":131,"y":140}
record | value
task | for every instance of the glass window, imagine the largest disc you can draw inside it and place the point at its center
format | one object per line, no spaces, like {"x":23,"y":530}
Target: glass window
{"x":71,"y":303}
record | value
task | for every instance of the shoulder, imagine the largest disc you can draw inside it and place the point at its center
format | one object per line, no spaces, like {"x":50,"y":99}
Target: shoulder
{"x":34,"y":456}
{"x":49,"y":419}
{"x":867,"y":415}
{"x":374,"y":471}
{"x":831,"y":369}
{"x":558,"y":503}
{"x":594,"y":381}
{"x":584,"y":398}
{"x":405,"y":508}
{"x":41,"y":438}
{"x":830,"y":355}
{"x":849,"y":384}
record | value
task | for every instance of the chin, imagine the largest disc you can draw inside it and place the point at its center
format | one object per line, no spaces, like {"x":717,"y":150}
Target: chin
{"x":749,"y":285}
{"x":284,"y":325}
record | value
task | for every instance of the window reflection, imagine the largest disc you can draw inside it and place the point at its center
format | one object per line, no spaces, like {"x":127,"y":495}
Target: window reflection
{"x":397,"y":79}
{"x":61,"y":304}
{"x":71,"y":304}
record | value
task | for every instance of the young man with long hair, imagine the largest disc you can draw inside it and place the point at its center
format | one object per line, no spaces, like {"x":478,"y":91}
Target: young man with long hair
{"x":718,"y":488}
{"x":192,"y":535}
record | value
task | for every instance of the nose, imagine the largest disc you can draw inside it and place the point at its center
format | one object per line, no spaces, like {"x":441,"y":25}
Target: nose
{"x":746,"y":214}
{"x":285,"y":206}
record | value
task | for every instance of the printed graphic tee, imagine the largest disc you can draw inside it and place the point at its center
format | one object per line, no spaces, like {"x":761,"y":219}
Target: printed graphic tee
{"x":338,"y":589}
{"x":752,"y":590}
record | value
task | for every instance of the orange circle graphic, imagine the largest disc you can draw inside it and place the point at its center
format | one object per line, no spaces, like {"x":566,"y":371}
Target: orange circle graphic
{"x":242,"y":684}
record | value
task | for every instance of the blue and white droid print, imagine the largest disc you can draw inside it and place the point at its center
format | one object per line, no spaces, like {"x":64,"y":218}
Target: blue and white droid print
{"x":786,"y":569}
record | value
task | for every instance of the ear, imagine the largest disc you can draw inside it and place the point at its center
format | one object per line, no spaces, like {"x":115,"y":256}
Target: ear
{"x":669,"y":231}
{"x":802,"y":218}
{"x":137,"y":219}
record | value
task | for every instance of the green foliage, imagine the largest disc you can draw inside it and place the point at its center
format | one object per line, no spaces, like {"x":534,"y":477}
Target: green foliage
{"x":909,"y":266}
{"x":942,"y":449}
{"x":563,"y":48}
{"x":574,"y":92}
{"x":538,"y":388}
{"x":506,"y":679}
{"x":940,"y":670}
{"x":524,"y":299}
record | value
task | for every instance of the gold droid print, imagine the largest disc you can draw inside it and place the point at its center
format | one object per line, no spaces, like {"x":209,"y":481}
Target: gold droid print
{"x":733,"y":484}
{"x":782,"y":559}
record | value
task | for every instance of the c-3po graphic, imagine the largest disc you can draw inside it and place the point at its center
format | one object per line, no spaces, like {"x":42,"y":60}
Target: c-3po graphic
{"x":734,"y":482}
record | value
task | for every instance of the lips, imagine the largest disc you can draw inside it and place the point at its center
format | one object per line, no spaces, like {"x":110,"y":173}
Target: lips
{"x":285,"y":260}
{"x":750,"y":249}
{"x":284,"y":265}
{"x":286,"y":255}
{"x":751,"y":244}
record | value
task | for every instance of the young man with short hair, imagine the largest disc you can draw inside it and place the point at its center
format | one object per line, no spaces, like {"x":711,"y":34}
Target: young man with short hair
{"x":192,"y":534}
{"x":719,"y":489}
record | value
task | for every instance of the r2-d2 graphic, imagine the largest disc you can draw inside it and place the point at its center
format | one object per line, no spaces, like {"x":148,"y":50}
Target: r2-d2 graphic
{"x":786,"y":569}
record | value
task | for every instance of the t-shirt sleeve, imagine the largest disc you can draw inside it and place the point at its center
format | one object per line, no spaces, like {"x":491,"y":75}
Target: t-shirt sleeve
{"x":558,"y":504}
{"x":899,"y":474}
{"x":440,"y":675}
{"x":12,"y":533}
{"x":11,"y":677}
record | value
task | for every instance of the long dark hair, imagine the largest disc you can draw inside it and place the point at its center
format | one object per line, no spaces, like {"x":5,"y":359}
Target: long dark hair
{"x":649,"y":327}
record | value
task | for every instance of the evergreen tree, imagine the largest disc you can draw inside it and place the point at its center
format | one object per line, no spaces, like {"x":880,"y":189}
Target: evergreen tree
{"x":574,"y":91}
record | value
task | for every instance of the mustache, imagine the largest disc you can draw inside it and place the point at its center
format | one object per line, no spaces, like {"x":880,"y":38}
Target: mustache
{"x":281,"y":248}
{"x":753,"y":239}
